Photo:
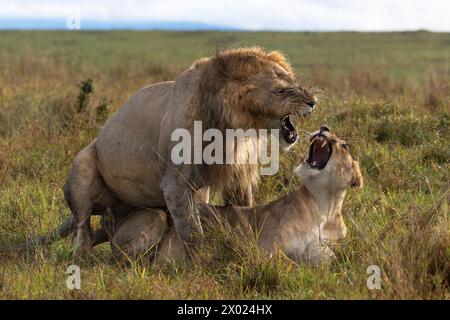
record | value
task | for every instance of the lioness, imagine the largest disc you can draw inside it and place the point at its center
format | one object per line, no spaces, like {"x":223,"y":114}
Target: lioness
{"x":300,"y":224}
{"x":130,"y":160}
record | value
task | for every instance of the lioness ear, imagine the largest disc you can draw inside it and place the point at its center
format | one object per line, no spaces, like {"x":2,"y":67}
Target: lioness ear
{"x":357,"y":180}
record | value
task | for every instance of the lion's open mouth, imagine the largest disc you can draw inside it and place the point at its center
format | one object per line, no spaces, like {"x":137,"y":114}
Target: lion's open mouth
{"x":319,"y":152}
{"x":288,"y":130}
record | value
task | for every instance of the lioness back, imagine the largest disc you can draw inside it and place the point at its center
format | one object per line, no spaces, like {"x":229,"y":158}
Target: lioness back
{"x":127,"y":159}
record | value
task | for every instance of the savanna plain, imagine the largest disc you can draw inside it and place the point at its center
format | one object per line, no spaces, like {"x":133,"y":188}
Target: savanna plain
{"x":386,"y":94}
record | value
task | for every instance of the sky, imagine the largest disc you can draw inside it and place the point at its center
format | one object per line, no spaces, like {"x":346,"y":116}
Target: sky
{"x":285,"y":15}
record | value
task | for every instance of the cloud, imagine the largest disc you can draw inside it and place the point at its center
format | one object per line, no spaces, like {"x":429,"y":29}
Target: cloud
{"x":361,"y":15}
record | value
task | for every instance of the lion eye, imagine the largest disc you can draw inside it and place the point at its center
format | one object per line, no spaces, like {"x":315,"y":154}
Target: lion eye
{"x":280,"y":92}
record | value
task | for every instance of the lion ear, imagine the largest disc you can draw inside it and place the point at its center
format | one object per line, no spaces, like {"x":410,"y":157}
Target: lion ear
{"x":357,"y":181}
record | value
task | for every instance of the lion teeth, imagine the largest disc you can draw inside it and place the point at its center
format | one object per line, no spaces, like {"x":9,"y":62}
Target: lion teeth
{"x":323,"y":144}
{"x":314,"y":163}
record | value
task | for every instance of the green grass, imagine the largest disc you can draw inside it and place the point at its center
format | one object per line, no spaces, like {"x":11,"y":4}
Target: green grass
{"x":386,"y":94}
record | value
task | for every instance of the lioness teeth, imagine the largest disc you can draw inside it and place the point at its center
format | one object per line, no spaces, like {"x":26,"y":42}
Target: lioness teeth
{"x":324,"y":143}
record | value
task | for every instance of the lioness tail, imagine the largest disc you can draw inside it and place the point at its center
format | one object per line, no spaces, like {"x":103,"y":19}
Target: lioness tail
{"x":66,"y":227}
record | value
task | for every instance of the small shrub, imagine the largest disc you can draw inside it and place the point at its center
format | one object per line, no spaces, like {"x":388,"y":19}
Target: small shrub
{"x":86,"y":89}
{"x":404,"y":130}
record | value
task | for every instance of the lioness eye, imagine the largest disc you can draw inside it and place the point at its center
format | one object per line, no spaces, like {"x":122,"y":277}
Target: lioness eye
{"x":345,"y":146}
{"x":280,"y":92}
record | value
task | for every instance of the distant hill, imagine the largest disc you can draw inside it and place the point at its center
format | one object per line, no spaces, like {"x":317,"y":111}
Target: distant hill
{"x":61,"y":24}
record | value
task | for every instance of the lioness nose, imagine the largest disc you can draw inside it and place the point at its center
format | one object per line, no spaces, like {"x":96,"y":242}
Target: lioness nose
{"x":324,"y":128}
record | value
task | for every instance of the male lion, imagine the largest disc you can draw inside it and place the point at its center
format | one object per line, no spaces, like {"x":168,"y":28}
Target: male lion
{"x":130,"y":160}
{"x":300,"y":224}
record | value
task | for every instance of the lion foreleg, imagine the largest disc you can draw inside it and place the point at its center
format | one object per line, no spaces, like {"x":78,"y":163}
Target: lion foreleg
{"x":335,"y":229}
{"x":179,"y":198}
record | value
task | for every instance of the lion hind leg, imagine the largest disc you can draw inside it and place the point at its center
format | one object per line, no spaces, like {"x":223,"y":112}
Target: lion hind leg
{"x":141,"y":232}
{"x":83,"y":188}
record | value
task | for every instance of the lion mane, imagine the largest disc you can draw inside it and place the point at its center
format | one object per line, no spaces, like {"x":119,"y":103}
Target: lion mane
{"x":220,"y":104}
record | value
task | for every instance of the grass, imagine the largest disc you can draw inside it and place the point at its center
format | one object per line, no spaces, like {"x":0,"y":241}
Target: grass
{"x":386,"y":94}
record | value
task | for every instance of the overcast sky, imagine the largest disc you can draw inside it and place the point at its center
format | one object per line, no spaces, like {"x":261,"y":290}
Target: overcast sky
{"x":362,"y":15}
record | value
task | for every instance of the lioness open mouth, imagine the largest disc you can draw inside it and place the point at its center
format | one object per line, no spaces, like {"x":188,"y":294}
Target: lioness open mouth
{"x":288,"y":130}
{"x":319,"y":152}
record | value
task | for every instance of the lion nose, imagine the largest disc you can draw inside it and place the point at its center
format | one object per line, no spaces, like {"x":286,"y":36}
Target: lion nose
{"x":311,"y":104}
